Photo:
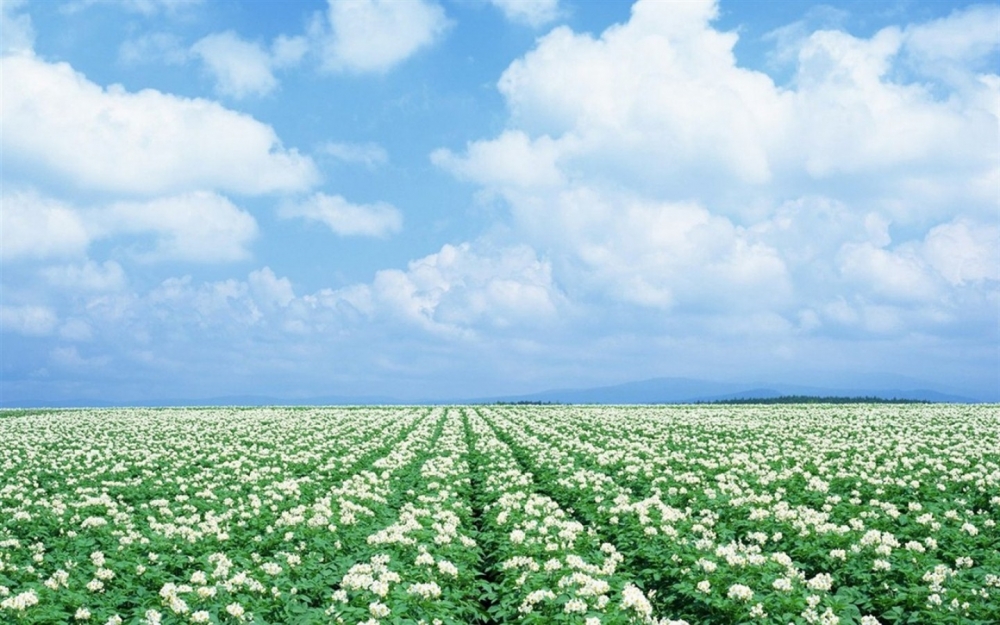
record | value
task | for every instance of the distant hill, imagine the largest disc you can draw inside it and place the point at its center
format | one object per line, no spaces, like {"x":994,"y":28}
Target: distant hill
{"x":686,"y":390}
{"x":652,"y":391}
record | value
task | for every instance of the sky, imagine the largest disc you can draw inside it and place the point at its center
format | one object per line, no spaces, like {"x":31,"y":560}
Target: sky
{"x":428,"y":199}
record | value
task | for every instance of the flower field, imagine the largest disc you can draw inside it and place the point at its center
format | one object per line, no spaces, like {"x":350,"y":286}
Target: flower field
{"x":502,"y":514}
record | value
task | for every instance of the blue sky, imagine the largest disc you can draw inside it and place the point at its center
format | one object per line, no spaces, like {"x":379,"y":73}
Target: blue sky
{"x":456,"y":198}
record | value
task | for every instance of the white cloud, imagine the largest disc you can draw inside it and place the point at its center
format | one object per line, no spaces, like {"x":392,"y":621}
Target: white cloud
{"x":28,"y":320}
{"x":199,"y":227}
{"x":70,"y":358}
{"x":17,"y":35}
{"x":375,"y":35}
{"x":288,"y":51}
{"x":898,"y":275}
{"x":76,"y":330}
{"x":146,"y":142}
{"x":161,"y":47}
{"x":89,"y":276}
{"x":512,"y":160}
{"x":966,"y":36}
{"x":32,"y":226}
{"x":240,"y":68}
{"x":459,"y":290}
{"x":653,"y":253}
{"x":347,"y":219}
{"x":368,"y":154}
{"x":964,"y":251}
{"x":269,"y":289}
{"x":534,"y":13}
{"x":653,"y":169}
{"x":225,"y":303}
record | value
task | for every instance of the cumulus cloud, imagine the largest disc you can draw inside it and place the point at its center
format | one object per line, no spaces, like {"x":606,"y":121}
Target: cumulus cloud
{"x":347,"y":219}
{"x":967,"y":36}
{"x":652,"y":168}
{"x":456,"y":291}
{"x":28,"y":320}
{"x":88,"y":276}
{"x":34,"y":227}
{"x":512,"y":160}
{"x":239,"y":68}
{"x":963,"y":251}
{"x":375,"y":35}
{"x":269,"y":289}
{"x":147,"y":142}
{"x":199,"y":227}
{"x":17,"y":35}
{"x":534,"y":13}
{"x":288,"y":51}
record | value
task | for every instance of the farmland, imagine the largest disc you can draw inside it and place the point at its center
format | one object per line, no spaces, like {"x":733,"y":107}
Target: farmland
{"x":502,"y":514}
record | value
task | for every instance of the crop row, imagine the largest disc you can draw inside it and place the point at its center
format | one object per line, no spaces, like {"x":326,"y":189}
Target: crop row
{"x":502,"y":514}
{"x":801,"y":515}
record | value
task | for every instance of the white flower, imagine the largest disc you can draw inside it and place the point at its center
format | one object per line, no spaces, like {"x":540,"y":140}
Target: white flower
{"x":82,"y":614}
{"x":447,"y":568}
{"x":235,"y":610}
{"x":575,"y":605}
{"x":271,"y":568}
{"x":378,"y":610}
{"x":427,"y":591}
{"x":741,"y":592}
{"x":705,"y":586}
{"x":633,"y":598}
{"x":823,"y":582}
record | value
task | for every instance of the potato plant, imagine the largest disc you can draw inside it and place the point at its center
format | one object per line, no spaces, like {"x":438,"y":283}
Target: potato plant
{"x":648,"y":515}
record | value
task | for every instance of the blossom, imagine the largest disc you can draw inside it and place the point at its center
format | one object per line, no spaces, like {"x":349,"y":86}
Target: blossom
{"x":575,"y":605}
{"x":822,"y":581}
{"x":740,"y":592}
{"x":632,"y":598}
{"x":427,"y":590}
{"x":378,"y":610}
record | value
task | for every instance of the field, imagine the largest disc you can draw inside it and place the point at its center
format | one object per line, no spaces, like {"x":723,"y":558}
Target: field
{"x":502,"y":514}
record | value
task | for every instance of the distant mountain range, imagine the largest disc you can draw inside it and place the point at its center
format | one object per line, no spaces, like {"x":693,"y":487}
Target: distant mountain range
{"x":685,"y":390}
{"x":653,"y":391}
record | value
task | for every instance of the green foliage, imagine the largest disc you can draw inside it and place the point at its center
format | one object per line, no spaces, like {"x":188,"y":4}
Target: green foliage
{"x":502,"y":514}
